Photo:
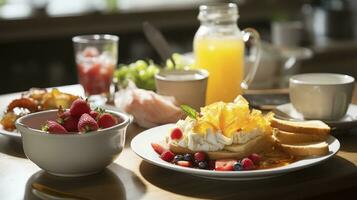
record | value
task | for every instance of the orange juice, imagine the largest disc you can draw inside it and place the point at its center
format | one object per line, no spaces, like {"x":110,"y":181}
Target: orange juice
{"x":223,"y":58}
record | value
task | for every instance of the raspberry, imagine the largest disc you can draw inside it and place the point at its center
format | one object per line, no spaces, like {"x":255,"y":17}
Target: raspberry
{"x":176,"y":134}
{"x":247,"y":164}
{"x":255,"y":158}
{"x":200,"y":156}
{"x":167,"y":156}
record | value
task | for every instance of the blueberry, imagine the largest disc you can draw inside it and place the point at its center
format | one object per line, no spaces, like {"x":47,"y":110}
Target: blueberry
{"x":202,"y":165}
{"x":178,"y":158}
{"x":237,"y":166}
{"x":187,"y":157}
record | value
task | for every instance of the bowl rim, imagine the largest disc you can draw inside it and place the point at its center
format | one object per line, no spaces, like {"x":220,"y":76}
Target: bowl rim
{"x":161,"y":75}
{"x":125,"y":123}
{"x":295,"y":79}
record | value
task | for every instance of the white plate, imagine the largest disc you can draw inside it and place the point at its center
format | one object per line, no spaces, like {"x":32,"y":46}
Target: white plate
{"x":348,"y":121}
{"x":141,"y":146}
{"x":13,"y":134}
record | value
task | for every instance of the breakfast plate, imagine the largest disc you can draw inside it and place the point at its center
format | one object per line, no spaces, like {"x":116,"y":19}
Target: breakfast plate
{"x":12,"y":134}
{"x":287,"y":111}
{"x":141,"y":145}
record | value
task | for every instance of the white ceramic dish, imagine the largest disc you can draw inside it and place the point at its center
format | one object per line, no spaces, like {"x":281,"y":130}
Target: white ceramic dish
{"x":12,"y":134}
{"x":287,"y":111}
{"x":71,"y":154}
{"x":141,"y":146}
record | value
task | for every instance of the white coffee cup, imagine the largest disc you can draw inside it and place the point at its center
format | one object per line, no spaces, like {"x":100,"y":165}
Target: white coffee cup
{"x":187,"y":86}
{"x":322,"y":96}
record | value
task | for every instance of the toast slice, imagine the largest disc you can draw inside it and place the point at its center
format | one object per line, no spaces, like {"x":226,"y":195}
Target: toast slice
{"x":236,"y":151}
{"x":306,"y":149}
{"x":285,"y":137}
{"x":315,"y":127}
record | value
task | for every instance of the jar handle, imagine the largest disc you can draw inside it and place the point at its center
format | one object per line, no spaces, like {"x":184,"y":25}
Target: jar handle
{"x":251,"y":38}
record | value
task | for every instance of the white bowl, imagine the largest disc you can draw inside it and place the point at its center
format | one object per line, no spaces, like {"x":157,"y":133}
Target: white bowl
{"x":71,"y":154}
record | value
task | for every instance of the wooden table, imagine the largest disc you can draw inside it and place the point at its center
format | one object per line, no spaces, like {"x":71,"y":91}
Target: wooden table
{"x":129,"y":177}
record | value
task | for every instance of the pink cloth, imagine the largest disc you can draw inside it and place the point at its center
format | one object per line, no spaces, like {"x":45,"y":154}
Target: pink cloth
{"x":148,"y":108}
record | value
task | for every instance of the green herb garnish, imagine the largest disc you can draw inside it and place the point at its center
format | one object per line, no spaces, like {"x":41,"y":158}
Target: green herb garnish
{"x":191,"y":112}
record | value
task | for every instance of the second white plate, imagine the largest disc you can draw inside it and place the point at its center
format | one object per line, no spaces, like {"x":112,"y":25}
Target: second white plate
{"x":141,"y":145}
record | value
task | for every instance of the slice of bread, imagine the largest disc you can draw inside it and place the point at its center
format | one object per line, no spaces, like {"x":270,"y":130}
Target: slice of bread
{"x":315,"y":127}
{"x":306,"y":149}
{"x":285,"y":137}
{"x":236,"y":151}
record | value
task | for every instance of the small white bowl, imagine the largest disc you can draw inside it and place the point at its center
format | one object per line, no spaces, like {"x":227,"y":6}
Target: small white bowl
{"x":71,"y":154}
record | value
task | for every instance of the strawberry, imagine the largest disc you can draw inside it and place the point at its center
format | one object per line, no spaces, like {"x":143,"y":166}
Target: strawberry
{"x":184,"y":163}
{"x":158,"y":148}
{"x":167,"y":156}
{"x":255,"y":158}
{"x":54,"y":127}
{"x":94,"y":114}
{"x":225,"y":164}
{"x":78,"y":107}
{"x":176,"y":134}
{"x":86,"y":123}
{"x":247,"y":164}
{"x":69,"y":122}
{"x":107,"y":120}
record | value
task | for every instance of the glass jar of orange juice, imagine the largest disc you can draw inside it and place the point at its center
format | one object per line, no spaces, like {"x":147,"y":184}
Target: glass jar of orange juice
{"x":219,"y":47}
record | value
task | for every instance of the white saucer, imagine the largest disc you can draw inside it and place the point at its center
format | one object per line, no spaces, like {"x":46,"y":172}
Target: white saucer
{"x":287,"y":111}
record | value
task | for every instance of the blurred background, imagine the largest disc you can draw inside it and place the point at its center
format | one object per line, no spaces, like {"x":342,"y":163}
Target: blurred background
{"x":36,"y":48}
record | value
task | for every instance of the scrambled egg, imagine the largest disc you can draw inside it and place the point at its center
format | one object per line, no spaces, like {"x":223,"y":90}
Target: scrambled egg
{"x":221,"y":124}
{"x":229,"y":118}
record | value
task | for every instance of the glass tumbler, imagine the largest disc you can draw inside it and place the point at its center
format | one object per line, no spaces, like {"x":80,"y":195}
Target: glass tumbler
{"x":96,"y":59}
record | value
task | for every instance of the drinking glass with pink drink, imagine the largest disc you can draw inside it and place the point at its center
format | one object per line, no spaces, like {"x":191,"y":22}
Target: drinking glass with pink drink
{"x":96,"y":58}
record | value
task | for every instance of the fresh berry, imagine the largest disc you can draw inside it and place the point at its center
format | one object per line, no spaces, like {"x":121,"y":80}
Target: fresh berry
{"x":107,"y":120}
{"x":225,"y":164}
{"x":247,"y":164}
{"x":184,"y":163}
{"x":211,"y":164}
{"x":167,"y":156}
{"x":94,"y":114}
{"x":158,"y":148}
{"x":255,"y":158}
{"x":86,"y":123}
{"x":237,"y":166}
{"x":187,"y":157}
{"x":202,"y":165}
{"x":200,"y":156}
{"x":53,"y":127}
{"x":69,"y":122}
{"x":178,"y":158}
{"x":79,"y":107}
{"x":176,"y":134}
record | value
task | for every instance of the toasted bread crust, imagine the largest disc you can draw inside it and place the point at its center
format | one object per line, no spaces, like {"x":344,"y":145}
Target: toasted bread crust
{"x":305,"y":127}
{"x":237,"y":151}
{"x":306,"y":149}
{"x":285,"y":137}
